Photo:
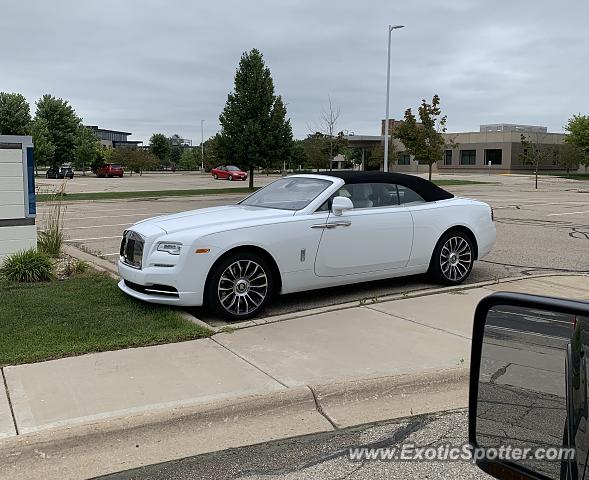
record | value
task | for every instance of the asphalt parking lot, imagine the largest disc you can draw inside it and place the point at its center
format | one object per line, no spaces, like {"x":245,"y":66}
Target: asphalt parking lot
{"x":146,"y":182}
{"x":538,"y":231}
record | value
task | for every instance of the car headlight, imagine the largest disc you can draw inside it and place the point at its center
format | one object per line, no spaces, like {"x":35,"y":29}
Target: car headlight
{"x":173,"y":248}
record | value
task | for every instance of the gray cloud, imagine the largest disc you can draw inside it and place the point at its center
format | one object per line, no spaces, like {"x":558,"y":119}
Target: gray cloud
{"x":147,"y":66}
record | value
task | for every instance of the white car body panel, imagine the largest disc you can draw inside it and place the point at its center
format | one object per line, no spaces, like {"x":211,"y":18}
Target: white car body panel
{"x":379,"y":243}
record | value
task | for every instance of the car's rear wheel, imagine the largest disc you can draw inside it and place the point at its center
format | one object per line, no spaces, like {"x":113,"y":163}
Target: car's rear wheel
{"x":215,"y":176}
{"x":239,"y":286}
{"x":453,"y":258}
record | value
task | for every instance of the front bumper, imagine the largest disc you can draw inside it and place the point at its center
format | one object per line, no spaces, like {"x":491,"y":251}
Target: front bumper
{"x":152,"y":279}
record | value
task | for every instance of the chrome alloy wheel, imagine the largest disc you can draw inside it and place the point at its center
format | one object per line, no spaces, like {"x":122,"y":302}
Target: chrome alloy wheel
{"x":242,"y":288}
{"x":455,"y":258}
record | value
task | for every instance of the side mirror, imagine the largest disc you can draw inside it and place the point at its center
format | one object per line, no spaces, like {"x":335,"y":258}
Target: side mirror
{"x":528,"y":387}
{"x":339,"y":204}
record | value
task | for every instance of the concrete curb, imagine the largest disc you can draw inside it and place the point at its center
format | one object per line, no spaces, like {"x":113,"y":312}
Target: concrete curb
{"x":383,"y":299}
{"x":96,"y":262}
{"x":99,"y":448}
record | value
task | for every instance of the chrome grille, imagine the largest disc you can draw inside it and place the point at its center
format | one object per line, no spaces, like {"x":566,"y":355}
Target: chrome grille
{"x":132,"y":249}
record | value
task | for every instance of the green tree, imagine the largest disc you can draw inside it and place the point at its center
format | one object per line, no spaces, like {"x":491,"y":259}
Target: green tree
{"x":62,"y":126}
{"x":577,"y":130}
{"x":15,"y":115}
{"x":568,"y":156}
{"x":44,"y":148}
{"x":281,"y":144}
{"x":190,"y":159}
{"x":213,"y":154}
{"x":252,"y":124}
{"x":298,"y":157}
{"x":159,"y":146}
{"x":176,"y":149}
{"x":86,"y":148}
{"x":424,"y":139}
{"x":134,"y":159}
{"x":316,"y":147}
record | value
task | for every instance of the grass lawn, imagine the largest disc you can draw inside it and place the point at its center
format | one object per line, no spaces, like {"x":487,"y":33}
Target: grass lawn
{"x":188,"y":193}
{"x":572,"y":176}
{"x":87,"y":313}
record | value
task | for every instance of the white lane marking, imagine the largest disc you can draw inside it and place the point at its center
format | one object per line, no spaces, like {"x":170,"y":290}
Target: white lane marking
{"x":69,"y":240}
{"x":97,"y":226}
{"x":523,"y":332}
{"x":118,"y":215}
{"x":566,"y":213}
{"x":110,"y":254}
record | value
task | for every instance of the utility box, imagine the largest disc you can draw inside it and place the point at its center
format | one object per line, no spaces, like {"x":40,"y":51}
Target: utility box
{"x":17,"y":195}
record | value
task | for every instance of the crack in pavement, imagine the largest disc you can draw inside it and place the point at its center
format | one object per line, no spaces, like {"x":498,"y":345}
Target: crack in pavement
{"x":499,"y":373}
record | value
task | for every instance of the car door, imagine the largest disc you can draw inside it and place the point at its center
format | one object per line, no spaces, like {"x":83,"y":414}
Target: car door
{"x":376,"y":235}
{"x":222,"y":173}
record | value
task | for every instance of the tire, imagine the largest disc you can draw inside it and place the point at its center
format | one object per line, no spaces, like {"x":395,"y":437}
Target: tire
{"x":243,"y":271}
{"x":452,"y":259}
{"x":215,"y":176}
{"x":230,"y":178}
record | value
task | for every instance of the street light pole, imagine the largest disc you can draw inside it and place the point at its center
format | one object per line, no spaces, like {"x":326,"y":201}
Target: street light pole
{"x":202,"y":146}
{"x":386,"y":121}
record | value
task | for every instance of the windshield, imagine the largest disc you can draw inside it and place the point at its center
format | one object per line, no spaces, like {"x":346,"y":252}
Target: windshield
{"x":232,"y":168}
{"x":290,"y":193}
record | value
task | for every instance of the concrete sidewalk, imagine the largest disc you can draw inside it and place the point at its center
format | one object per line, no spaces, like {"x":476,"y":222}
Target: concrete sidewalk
{"x":350,"y":366}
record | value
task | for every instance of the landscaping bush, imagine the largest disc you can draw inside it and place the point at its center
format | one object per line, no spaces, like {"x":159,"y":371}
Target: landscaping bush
{"x":73,"y":266}
{"x":28,"y":266}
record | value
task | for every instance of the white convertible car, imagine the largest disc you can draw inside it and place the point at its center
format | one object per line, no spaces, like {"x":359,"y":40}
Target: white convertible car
{"x":304,"y":232}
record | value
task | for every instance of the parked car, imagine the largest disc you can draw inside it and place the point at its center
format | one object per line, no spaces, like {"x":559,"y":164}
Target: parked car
{"x":230,"y":172}
{"x":110,"y":170}
{"x":305,"y":232}
{"x":60,"y":172}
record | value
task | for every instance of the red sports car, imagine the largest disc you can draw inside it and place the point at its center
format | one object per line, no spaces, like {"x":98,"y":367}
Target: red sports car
{"x":230,"y":172}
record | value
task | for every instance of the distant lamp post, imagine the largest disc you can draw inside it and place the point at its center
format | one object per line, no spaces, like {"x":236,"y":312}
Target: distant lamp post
{"x":202,"y":146}
{"x":386,"y":121}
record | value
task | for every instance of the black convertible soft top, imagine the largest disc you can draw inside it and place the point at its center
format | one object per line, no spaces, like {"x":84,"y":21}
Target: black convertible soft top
{"x":428,"y":191}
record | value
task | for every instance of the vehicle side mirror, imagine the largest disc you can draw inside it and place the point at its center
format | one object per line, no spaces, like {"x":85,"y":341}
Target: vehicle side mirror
{"x":528,"y":387}
{"x":339,"y":204}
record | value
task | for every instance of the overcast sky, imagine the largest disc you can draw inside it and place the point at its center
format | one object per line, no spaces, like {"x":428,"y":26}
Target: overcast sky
{"x":147,"y":66}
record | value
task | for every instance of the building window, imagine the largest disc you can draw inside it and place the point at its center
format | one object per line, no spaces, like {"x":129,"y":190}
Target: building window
{"x":493,"y":156}
{"x":448,"y":157}
{"x":404,"y":159}
{"x":468,"y":157}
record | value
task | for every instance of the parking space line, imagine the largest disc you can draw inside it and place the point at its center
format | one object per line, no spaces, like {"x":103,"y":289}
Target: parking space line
{"x":97,"y":226}
{"x":69,"y":240}
{"x":566,"y":213}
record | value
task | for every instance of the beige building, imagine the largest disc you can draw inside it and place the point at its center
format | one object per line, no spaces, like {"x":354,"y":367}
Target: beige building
{"x":495,"y":147}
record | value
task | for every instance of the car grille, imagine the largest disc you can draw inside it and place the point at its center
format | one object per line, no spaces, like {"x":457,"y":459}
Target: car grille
{"x":132,"y":249}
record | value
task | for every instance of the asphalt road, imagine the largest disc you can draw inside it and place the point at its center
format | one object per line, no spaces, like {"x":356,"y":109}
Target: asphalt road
{"x":538,"y":231}
{"x":325,"y":456}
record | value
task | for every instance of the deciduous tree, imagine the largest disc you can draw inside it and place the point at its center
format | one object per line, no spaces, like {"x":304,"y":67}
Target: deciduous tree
{"x":578,"y":135}
{"x":86,"y":148}
{"x":44,"y":148}
{"x":424,"y":139}
{"x":62,"y":126}
{"x":159,"y":146}
{"x":15,"y":115}
{"x":535,"y":151}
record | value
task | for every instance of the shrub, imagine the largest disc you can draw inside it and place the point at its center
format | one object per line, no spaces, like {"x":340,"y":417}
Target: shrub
{"x":73,"y":266}
{"x":28,"y":266}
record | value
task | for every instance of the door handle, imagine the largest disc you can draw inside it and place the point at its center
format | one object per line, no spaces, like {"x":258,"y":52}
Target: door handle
{"x":343,"y":223}
{"x":332,"y":224}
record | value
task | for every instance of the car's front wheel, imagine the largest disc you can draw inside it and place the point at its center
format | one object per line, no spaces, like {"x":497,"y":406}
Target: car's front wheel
{"x":239,"y":286}
{"x":453,"y":258}
{"x":230,"y":178}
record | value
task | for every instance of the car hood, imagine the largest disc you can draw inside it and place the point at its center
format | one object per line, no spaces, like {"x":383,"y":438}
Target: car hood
{"x":223,"y":217}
